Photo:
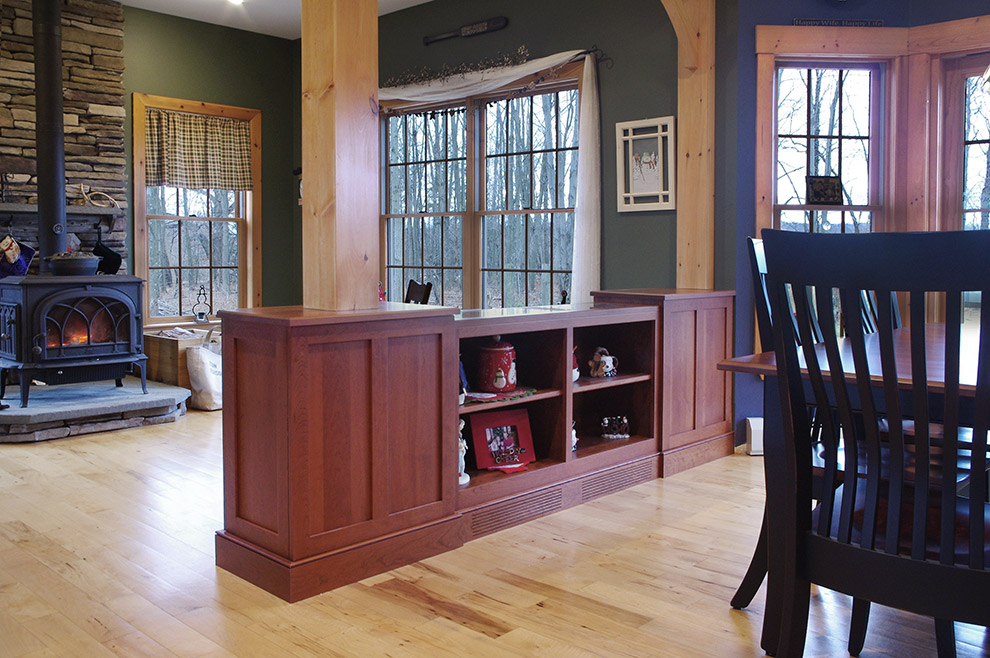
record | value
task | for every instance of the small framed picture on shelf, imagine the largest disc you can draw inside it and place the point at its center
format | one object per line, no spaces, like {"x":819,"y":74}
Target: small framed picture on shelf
{"x":502,"y":440}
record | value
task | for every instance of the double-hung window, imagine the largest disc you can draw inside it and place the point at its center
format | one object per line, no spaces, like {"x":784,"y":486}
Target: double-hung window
{"x":197,"y":207}
{"x":828,"y":127}
{"x":479,"y":197}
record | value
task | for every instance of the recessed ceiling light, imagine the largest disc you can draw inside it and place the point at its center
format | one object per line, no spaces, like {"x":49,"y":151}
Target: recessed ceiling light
{"x":236,"y":2}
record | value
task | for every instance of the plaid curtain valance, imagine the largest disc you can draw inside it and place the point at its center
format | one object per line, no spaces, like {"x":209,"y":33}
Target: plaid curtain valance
{"x":195,"y":151}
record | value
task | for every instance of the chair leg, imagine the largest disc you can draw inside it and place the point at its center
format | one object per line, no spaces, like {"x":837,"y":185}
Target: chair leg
{"x":794,"y":617}
{"x":858,"y":621}
{"x":755,"y":574}
{"x":945,"y":638}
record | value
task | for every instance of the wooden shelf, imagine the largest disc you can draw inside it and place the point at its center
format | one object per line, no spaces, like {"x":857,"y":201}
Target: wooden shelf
{"x":585,"y":384}
{"x":32,"y":209}
{"x":592,"y":445}
{"x":484,"y":477}
{"x":541,"y":394}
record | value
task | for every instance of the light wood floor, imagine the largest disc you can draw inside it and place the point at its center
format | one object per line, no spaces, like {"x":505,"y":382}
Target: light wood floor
{"x":106,"y":548}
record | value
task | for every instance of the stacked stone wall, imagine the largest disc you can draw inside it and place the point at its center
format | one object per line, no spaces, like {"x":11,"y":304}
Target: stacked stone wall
{"x":94,"y":113}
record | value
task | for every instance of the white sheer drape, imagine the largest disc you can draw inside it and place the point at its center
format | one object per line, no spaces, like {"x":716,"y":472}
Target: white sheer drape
{"x":586,"y":265}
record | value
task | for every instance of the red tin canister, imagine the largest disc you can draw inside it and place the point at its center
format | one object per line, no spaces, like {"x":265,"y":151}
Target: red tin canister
{"x":497,"y":367}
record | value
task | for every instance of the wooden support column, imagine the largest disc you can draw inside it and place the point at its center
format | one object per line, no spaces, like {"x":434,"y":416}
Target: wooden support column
{"x":340,"y":154}
{"x":694,"y":24}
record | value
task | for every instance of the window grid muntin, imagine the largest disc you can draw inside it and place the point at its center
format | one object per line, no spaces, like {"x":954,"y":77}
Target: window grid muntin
{"x":975,"y":85}
{"x":847,"y":212}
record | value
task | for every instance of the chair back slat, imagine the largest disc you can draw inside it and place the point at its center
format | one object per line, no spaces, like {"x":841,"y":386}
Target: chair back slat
{"x":922,"y":446}
{"x":867,"y":422}
{"x":885,"y":305}
{"x":827,"y":433}
{"x":758,"y":269}
{"x":953,"y":323}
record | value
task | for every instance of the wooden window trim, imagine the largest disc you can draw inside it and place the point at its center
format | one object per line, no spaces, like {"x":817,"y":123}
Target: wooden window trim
{"x":252,"y":210}
{"x":914,"y":59}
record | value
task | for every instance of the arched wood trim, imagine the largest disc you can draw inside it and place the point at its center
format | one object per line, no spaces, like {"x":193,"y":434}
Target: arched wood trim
{"x":694,"y":25}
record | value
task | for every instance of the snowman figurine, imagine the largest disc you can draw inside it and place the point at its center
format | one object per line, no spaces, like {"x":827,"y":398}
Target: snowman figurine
{"x":462,"y":448}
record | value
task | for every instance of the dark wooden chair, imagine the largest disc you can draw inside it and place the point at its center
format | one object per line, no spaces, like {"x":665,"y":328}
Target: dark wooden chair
{"x":418,"y":293}
{"x":757,"y":570}
{"x":899,"y":533}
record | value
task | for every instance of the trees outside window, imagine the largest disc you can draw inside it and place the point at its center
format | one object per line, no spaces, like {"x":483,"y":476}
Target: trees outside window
{"x":827,"y":124}
{"x":976,"y":154}
{"x":489,"y":222}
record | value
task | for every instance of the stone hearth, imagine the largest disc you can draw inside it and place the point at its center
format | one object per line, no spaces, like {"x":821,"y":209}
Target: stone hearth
{"x":68,"y":410}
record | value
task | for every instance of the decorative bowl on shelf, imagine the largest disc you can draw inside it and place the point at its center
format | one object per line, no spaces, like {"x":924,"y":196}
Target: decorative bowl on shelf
{"x":69,"y":263}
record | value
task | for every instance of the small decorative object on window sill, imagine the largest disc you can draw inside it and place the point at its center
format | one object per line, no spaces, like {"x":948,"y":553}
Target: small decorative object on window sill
{"x":497,"y":367}
{"x":603,"y":365}
{"x":201,"y":315}
{"x":824,"y":190}
{"x":615,"y":427}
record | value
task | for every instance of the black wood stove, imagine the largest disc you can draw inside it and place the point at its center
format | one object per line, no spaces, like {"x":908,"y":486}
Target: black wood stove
{"x":66,"y":329}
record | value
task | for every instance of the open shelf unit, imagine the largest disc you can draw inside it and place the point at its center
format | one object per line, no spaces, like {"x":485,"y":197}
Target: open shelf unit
{"x":546,"y":341}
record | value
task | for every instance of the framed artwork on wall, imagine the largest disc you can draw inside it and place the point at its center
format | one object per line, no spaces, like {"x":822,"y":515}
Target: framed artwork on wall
{"x":645,"y":164}
{"x":502,"y":440}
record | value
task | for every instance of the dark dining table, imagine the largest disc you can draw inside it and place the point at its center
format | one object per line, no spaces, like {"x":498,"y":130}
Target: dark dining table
{"x":765,"y":364}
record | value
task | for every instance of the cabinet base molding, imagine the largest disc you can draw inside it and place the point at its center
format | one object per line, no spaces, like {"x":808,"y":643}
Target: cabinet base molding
{"x":509,"y":512}
{"x":297,"y":580}
{"x":695,"y":454}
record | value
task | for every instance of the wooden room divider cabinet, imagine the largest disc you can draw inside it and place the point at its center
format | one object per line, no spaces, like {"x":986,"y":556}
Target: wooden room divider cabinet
{"x":340,"y":430}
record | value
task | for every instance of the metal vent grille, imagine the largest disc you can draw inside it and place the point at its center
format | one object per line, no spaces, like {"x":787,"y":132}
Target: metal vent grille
{"x":515,"y":511}
{"x":616,"y":479}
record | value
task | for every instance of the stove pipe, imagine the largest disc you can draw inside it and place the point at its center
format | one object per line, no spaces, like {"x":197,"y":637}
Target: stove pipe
{"x":47,"y":21}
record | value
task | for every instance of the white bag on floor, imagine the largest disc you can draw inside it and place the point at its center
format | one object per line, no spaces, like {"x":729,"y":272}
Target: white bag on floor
{"x":205,"y":375}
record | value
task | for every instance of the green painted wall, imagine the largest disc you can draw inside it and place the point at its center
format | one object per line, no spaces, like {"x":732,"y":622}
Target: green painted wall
{"x":638,"y":249}
{"x":191,"y":60}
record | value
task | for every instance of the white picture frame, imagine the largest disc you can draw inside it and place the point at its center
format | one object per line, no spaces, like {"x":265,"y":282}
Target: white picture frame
{"x":645,"y":164}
